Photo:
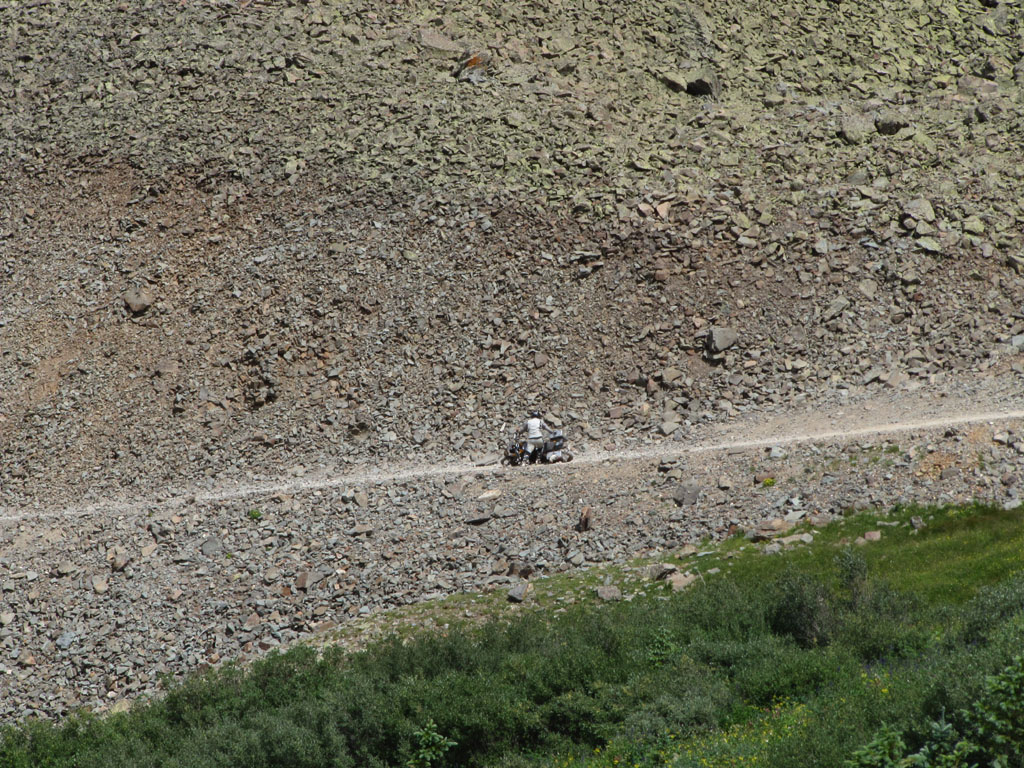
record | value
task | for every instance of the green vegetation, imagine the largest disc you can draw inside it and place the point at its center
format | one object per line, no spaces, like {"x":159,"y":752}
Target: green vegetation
{"x":905,"y":652}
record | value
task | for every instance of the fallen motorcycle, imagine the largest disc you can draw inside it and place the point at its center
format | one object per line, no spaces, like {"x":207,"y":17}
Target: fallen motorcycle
{"x":516,"y":451}
{"x":554,"y":450}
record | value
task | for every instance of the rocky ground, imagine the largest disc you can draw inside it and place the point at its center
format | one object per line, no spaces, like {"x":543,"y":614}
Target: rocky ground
{"x":247,"y":245}
{"x":100,"y":602}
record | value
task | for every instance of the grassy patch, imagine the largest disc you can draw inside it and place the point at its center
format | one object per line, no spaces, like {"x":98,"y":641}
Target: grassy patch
{"x":960,"y":550}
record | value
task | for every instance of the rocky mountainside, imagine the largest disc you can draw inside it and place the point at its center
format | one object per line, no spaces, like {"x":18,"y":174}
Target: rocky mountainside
{"x":241,"y":240}
{"x":235,"y":236}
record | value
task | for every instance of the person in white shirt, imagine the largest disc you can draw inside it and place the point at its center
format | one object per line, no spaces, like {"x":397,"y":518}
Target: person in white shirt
{"x":535,"y":430}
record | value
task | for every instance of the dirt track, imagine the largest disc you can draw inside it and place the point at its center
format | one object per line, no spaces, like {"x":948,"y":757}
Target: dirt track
{"x":860,"y":426}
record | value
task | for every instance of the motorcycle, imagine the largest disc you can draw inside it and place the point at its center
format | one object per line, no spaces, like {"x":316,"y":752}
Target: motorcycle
{"x":554,"y":450}
{"x":516,"y":452}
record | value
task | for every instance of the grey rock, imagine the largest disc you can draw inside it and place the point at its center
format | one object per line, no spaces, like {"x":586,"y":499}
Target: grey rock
{"x":920,"y":209}
{"x":686,"y":494}
{"x":211,"y":547}
{"x":434,"y":40}
{"x":519,"y":592}
{"x":66,"y":640}
{"x":306,"y":579}
{"x":671,"y":374}
{"x":972,"y":85}
{"x":889,"y":122}
{"x":139,"y":299}
{"x":855,"y":129}
{"x":660,"y":571}
{"x":609,"y":592}
{"x":99,"y":584}
{"x":697,"y":81}
{"x":119,"y":560}
{"x":836,"y":308}
{"x":488,"y":459}
{"x":720,"y":339}
{"x":974,"y":225}
{"x":996,"y":21}
{"x":874,"y":374}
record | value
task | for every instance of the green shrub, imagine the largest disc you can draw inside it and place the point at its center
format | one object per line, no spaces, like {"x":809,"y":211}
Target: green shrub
{"x":686,"y":697}
{"x":853,"y":574}
{"x":885,"y":624}
{"x":801,"y":608}
{"x":989,"y":732}
{"x":431,"y":746}
{"x":990,"y":607}
{"x":777,"y":668}
{"x":721,"y":610}
{"x":995,"y":722}
{"x":662,"y":648}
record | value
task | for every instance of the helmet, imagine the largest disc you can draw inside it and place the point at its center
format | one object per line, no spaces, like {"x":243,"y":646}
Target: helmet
{"x":535,"y":414}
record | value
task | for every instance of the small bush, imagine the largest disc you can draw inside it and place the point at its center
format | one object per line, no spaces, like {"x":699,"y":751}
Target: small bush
{"x":990,"y":607}
{"x":996,"y":721}
{"x":853,"y":574}
{"x":990,"y":732}
{"x":431,"y":747}
{"x":882,"y":625}
{"x":801,"y":608}
{"x":778,"y":668}
{"x":690,"y":698}
{"x":662,"y":648}
{"x":721,"y":610}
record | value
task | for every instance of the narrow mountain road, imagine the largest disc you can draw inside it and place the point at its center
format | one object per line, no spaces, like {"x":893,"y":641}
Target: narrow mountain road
{"x":770,"y":432}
